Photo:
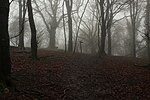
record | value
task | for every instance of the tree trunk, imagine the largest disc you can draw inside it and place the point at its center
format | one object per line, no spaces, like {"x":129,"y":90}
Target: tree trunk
{"x":33,"y":32}
{"x":109,"y":26}
{"x":133,"y":42}
{"x":52,"y":41}
{"x":103,"y":27}
{"x":64,"y":27}
{"x":103,"y":38}
{"x":69,"y":11}
{"x":77,"y":33}
{"x":70,"y":45}
{"x":21,"y":24}
{"x":148,"y":27}
{"x":133,"y":15}
{"x":5,"y":63}
{"x":109,"y":41}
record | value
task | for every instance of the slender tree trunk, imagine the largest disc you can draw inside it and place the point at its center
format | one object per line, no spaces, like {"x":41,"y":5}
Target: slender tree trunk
{"x":103,"y":27}
{"x":70,"y":44}
{"x":109,"y":26}
{"x":98,"y":27}
{"x":103,"y":31}
{"x":21,"y":24}
{"x":133,"y":15}
{"x":77,"y":34}
{"x":103,"y":38}
{"x":109,"y":41}
{"x":64,"y":27}
{"x":33,"y":32}
{"x":148,"y":27}
{"x":134,"y":39}
{"x":5,"y":63}
{"x":69,"y":4}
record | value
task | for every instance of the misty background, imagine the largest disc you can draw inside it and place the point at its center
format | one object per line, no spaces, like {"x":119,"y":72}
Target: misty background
{"x":127,"y":31}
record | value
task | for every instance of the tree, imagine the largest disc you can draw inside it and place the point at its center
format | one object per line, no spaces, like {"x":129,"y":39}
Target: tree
{"x":88,"y":30}
{"x":69,"y":4}
{"x":33,"y":31}
{"x":103,"y":8}
{"x":77,"y":33}
{"x":53,"y":23}
{"x":5,"y":63}
{"x":22,"y":13}
{"x":107,"y":10}
{"x":115,"y":6}
{"x":134,"y":10}
{"x":148,"y":27}
{"x":64,"y":28}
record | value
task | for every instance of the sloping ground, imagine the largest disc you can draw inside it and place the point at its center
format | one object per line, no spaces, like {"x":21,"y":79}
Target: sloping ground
{"x":60,"y":76}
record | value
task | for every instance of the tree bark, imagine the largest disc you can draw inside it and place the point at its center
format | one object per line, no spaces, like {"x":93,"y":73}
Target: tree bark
{"x":148,"y":27}
{"x":103,"y":27}
{"x":109,"y":41}
{"x":70,"y":45}
{"x":64,"y":27}
{"x":21,"y":24}
{"x":52,"y":38}
{"x":5,"y":63}
{"x":33,"y":32}
{"x":69,"y":11}
{"x":133,"y":15}
{"x":133,"y":40}
{"x":109,"y":26}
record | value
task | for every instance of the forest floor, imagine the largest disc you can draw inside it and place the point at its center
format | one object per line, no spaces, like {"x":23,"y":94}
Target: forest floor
{"x":60,"y":76}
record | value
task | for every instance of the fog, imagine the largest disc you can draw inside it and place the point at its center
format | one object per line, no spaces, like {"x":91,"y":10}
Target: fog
{"x":48,"y":16}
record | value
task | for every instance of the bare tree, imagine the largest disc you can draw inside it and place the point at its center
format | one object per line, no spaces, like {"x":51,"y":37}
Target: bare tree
{"x":107,"y":10}
{"x":115,"y":6}
{"x":88,"y":30}
{"x":103,"y":8}
{"x":52,"y":24}
{"x":134,"y":7}
{"x":77,"y":33}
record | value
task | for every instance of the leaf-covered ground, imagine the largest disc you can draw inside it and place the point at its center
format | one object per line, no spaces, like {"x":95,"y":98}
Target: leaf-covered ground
{"x":60,"y":76}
